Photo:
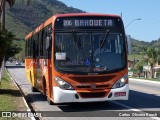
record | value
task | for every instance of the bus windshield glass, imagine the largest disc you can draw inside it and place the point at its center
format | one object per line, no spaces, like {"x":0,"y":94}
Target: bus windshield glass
{"x":96,"y":52}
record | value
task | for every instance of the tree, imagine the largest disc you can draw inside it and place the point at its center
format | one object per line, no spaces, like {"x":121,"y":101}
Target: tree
{"x":2,"y":4}
{"x":5,"y":36}
{"x":138,"y":68}
{"x":151,"y":57}
{"x":6,"y":39}
{"x":10,"y":2}
{"x":15,"y":48}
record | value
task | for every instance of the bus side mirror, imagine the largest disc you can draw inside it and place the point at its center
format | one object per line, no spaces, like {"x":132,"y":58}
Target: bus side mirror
{"x":48,"y":39}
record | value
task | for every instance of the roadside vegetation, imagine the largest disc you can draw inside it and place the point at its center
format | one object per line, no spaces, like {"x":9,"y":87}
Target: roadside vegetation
{"x":147,"y":63}
{"x":10,"y":96}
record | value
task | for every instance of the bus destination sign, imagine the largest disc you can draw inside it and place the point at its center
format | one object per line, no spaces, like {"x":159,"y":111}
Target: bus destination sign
{"x":88,"y":23}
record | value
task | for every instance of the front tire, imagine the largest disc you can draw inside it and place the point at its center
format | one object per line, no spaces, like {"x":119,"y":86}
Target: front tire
{"x":33,"y":89}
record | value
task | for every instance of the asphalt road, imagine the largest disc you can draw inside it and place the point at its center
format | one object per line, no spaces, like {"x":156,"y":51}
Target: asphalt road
{"x":143,"y":97}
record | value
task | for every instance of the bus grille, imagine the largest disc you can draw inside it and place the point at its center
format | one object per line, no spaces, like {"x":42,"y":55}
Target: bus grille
{"x":90,"y":87}
{"x":93,"y":79}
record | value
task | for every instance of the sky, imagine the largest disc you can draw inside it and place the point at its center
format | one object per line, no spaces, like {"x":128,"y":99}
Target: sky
{"x":146,"y":29}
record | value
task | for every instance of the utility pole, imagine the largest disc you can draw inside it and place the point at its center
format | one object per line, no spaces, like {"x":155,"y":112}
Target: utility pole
{"x":3,"y":15}
{"x":132,"y":22}
{"x":2,"y":21}
{"x":2,"y":3}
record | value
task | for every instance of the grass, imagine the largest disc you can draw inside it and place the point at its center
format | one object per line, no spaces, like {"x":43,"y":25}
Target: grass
{"x":10,"y":97}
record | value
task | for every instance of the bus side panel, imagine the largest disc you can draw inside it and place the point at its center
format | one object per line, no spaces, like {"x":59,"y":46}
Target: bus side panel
{"x":47,"y":73}
{"x":30,"y":70}
{"x":43,"y":76}
{"x":39,"y":74}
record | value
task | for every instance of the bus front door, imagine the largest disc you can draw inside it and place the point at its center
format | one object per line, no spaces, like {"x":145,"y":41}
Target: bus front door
{"x":39,"y":75}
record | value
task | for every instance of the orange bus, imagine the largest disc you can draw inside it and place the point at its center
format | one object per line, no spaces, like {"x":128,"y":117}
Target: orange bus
{"x":80,"y":57}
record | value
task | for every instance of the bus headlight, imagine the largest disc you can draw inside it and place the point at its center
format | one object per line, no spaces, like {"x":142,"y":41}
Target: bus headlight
{"x":62,"y":84}
{"x":121,"y":82}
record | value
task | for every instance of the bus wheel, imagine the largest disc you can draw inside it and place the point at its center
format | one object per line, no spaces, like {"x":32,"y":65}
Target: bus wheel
{"x":33,"y":89}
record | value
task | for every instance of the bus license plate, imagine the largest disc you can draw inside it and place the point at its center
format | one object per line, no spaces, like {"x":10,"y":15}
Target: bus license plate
{"x":117,"y":94}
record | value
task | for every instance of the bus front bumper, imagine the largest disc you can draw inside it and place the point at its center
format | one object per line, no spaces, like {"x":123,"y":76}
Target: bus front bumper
{"x":69,"y":96}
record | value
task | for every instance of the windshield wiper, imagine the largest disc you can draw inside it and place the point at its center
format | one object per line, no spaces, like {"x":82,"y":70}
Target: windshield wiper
{"x":91,"y":67}
{"x":104,"y":38}
{"x":76,"y":39}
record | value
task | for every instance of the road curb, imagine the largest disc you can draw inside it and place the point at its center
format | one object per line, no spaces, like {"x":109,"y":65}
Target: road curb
{"x":146,"y":81}
{"x":23,"y":96}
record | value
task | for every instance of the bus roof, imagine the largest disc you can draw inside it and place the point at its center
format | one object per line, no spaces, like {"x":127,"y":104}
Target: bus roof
{"x":51,"y":19}
{"x":84,"y":14}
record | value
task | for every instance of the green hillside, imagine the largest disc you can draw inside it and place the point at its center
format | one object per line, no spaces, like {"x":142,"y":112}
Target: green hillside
{"x":138,"y":46}
{"x":21,"y":19}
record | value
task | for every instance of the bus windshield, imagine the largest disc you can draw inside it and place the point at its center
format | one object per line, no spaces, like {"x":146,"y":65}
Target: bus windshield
{"x":96,"y":52}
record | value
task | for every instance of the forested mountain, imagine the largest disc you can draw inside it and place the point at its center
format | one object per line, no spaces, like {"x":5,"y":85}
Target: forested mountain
{"x":21,"y":19}
{"x":137,"y":46}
